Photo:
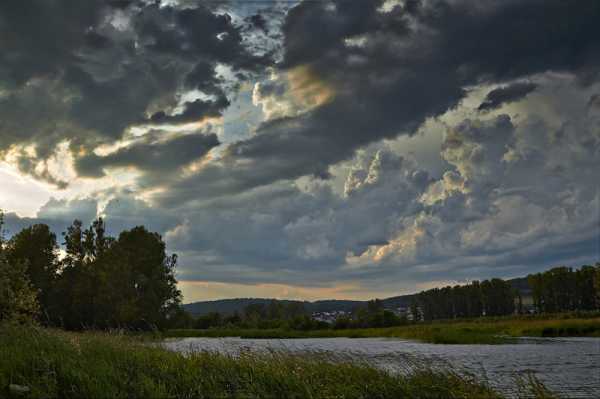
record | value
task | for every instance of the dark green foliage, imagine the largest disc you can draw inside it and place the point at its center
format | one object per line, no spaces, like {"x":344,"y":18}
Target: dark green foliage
{"x":35,"y":247}
{"x":493,"y":297}
{"x":102,"y":282}
{"x":128,"y":282}
{"x":563,"y":289}
{"x":274,"y":315}
{"x":373,"y":315}
{"x":17,"y":296}
{"x":18,"y":300}
{"x":293,"y":316}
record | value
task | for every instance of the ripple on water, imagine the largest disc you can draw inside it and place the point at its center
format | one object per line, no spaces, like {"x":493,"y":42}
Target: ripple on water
{"x":568,"y":366}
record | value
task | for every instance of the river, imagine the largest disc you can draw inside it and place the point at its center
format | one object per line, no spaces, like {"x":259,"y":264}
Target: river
{"x":569,"y":367}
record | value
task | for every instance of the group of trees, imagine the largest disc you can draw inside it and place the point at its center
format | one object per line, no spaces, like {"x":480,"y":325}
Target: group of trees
{"x":556,"y":290}
{"x":563,"y":289}
{"x":100,"y":282}
{"x":294,"y":316}
{"x":275,"y":314}
{"x":493,"y":297}
{"x":373,"y":315}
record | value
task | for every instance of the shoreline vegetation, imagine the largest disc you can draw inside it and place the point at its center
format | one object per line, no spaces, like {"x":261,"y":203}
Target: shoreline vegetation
{"x":475,"y":331}
{"x":37,"y":362}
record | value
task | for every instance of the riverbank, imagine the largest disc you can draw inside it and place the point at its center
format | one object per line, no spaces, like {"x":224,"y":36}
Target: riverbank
{"x":477,"y":331}
{"x":36,"y":362}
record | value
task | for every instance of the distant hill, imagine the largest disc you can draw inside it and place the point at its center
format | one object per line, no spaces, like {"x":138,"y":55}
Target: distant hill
{"x":229,"y":306}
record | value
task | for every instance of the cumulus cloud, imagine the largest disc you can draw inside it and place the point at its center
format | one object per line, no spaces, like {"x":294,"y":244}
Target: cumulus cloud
{"x":320,"y":191}
{"x":411,"y":63}
{"x":56,"y":213}
{"x":86,"y":73}
{"x":296,"y":92}
{"x":157,"y":157}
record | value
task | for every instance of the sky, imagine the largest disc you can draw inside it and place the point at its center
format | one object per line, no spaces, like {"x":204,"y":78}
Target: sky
{"x":310,"y":149}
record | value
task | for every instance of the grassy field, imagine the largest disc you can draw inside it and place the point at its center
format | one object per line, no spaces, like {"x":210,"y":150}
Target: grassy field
{"x":53,"y":363}
{"x":478,"y":331}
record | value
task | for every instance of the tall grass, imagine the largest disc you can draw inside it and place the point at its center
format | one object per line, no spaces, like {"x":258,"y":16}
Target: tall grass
{"x":477,"y":331}
{"x":53,"y":363}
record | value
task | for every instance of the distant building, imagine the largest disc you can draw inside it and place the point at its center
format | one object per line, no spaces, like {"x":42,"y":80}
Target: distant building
{"x":329,"y":317}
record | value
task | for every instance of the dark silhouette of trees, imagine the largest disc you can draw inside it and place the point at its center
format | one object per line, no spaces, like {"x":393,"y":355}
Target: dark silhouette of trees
{"x":563,"y":289}
{"x":18,"y":300}
{"x":105,"y":282}
{"x":415,"y":311}
{"x":35,"y":248}
{"x":372,"y":315}
{"x":101,"y":282}
{"x":489,"y":298}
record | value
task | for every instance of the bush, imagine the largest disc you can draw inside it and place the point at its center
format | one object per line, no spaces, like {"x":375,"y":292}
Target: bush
{"x":17,"y":298}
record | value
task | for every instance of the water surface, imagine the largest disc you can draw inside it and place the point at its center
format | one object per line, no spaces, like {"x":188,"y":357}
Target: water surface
{"x":568,"y":366}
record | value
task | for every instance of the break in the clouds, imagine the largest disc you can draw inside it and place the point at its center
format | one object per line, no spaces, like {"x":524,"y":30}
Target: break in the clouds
{"x":350,"y":148}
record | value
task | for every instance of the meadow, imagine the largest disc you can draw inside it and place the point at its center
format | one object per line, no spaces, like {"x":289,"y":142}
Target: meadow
{"x":41,"y":363}
{"x":475,"y":331}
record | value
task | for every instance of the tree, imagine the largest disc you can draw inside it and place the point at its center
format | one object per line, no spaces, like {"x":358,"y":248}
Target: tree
{"x":212,"y":319}
{"x":536,"y":283}
{"x":75,"y":285}
{"x":499,"y":297}
{"x":17,"y":297}
{"x":491,"y":297}
{"x":585,"y":295}
{"x":596,"y":285}
{"x":150,"y":274}
{"x":35,"y":248}
{"x":414,"y":310}
{"x":128,"y":282}
{"x":564,"y":289}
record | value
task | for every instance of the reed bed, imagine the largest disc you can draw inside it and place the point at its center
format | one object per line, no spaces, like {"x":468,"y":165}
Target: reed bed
{"x":42,"y":363}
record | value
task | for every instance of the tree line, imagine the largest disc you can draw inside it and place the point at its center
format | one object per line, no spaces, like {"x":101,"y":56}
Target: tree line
{"x":556,"y":290}
{"x":275,"y":314}
{"x":294,"y":316}
{"x":129,"y":281}
{"x":563,"y":289}
{"x":99,"y":281}
{"x":493,"y":297}
{"x":560,"y":289}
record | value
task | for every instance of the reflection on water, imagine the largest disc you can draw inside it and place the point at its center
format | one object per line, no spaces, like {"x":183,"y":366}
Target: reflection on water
{"x":568,"y":366}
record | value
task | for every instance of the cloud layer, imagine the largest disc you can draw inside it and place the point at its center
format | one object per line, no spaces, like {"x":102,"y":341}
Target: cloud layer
{"x":268,"y":144}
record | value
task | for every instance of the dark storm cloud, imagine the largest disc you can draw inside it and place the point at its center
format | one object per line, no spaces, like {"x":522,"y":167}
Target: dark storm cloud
{"x":506,"y":94}
{"x":517,"y":195}
{"x":190,"y":32}
{"x":27,"y":166}
{"x":153,"y":157}
{"x":259,"y":22}
{"x":38,"y":37}
{"x":192,"y":112}
{"x":100,"y":67}
{"x":413,"y":63}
